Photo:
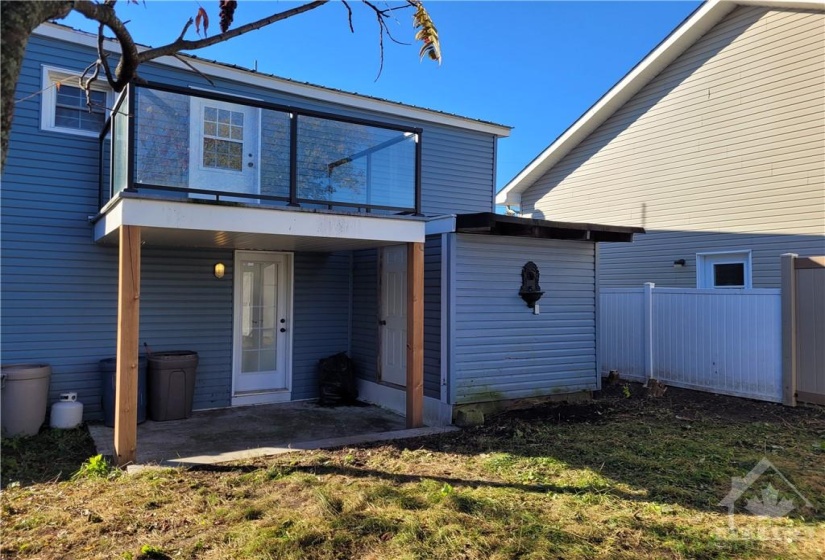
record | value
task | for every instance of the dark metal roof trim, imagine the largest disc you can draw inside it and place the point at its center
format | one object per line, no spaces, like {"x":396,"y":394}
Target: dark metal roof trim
{"x":488,"y":223}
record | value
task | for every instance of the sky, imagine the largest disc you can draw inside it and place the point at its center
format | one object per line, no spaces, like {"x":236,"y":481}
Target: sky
{"x":535,"y":65}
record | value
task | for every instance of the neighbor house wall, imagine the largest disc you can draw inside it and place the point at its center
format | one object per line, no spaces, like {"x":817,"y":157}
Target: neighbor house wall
{"x":722,"y":151}
{"x":501,"y":349}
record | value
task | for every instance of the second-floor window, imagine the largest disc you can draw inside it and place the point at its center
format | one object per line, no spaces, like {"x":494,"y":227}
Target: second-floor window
{"x":65,"y":107}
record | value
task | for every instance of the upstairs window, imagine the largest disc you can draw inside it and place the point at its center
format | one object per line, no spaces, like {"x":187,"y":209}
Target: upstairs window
{"x":64,"y":107}
{"x":724,"y":270}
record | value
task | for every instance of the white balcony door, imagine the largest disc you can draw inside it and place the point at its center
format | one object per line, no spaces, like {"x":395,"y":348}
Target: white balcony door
{"x":262,"y":343}
{"x":393,"y":315}
{"x":224,"y":148}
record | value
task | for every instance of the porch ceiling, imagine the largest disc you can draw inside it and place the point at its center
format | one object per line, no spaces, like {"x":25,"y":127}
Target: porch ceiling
{"x":191,"y":223}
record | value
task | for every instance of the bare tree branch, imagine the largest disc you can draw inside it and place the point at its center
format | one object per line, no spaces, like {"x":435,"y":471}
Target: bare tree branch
{"x":349,"y":15}
{"x":102,"y":57}
{"x":185,"y":29}
{"x":86,"y":84}
{"x":380,"y":47}
{"x":195,"y":70}
{"x":393,"y":39}
{"x":184,"y":45}
{"x":105,"y":15}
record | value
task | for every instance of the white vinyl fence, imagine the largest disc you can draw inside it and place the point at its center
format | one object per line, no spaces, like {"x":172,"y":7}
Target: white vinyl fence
{"x":721,"y":341}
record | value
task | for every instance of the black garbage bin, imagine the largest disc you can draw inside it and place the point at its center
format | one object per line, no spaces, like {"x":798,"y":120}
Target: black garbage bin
{"x":108,"y":372}
{"x":171,"y":384}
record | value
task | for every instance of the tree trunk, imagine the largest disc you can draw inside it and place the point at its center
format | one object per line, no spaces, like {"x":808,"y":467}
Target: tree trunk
{"x":18,"y":20}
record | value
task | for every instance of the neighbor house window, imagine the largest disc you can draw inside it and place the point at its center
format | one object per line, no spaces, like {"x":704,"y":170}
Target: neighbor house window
{"x":723,"y":270}
{"x":64,"y":106}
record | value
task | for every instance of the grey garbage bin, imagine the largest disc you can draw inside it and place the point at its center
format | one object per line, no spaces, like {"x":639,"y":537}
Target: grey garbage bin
{"x":108,"y":373}
{"x":171,"y":384}
{"x":25,"y":394}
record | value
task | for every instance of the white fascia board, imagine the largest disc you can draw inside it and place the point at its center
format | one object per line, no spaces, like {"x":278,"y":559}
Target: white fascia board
{"x":441,"y":224}
{"x":281,"y":85}
{"x":264,"y":221}
{"x":678,"y":42}
{"x":109,"y":222}
{"x":817,"y":5}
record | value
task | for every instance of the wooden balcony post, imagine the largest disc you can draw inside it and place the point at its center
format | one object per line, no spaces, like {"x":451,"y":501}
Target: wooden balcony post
{"x":415,"y":335}
{"x":128,"y":320}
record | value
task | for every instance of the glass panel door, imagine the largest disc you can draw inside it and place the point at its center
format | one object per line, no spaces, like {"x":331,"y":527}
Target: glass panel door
{"x":261,"y":340}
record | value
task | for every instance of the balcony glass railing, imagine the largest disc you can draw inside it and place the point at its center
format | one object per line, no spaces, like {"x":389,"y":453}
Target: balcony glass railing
{"x":210,"y":146}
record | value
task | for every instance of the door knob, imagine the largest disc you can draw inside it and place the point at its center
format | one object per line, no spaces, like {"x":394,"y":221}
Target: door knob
{"x":382,"y":322}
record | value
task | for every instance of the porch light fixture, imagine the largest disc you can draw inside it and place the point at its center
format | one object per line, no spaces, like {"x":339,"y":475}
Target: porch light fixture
{"x":679,"y":263}
{"x":220,"y":270}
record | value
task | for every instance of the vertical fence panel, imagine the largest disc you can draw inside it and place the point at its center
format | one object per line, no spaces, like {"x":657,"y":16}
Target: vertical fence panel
{"x":810,"y":329}
{"x":621,"y":315}
{"x":720,"y":341}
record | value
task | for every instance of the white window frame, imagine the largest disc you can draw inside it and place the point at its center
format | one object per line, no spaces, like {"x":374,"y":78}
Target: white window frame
{"x":48,"y":99}
{"x":706,"y":261}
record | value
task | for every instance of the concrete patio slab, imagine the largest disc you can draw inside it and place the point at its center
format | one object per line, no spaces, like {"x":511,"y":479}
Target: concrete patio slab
{"x":231,"y":434}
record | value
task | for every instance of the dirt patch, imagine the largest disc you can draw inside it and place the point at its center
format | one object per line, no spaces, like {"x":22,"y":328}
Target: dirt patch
{"x":627,"y":396}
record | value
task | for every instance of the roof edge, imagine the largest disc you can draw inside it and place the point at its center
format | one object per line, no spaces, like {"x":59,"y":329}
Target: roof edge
{"x":490,"y":223}
{"x":678,"y":41}
{"x":285,"y":85}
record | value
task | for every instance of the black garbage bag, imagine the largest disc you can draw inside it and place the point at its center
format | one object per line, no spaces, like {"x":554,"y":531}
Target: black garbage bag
{"x":337,"y":380}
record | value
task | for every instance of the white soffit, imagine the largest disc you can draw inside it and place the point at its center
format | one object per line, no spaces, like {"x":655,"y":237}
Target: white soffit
{"x":209,"y":225}
{"x":702,"y":20}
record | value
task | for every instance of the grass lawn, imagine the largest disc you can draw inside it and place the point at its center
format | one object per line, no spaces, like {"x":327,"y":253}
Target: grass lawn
{"x":619,"y":477}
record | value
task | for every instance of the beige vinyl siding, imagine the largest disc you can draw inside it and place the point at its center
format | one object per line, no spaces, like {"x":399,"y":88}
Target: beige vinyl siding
{"x":723,"y":150}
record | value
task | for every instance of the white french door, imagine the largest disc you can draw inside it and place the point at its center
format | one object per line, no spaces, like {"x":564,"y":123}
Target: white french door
{"x":393,"y":315}
{"x":262,"y":345}
{"x":224,"y":148}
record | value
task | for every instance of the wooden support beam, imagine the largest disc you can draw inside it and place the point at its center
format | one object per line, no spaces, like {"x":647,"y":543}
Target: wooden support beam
{"x":128,"y":321}
{"x":415,"y":335}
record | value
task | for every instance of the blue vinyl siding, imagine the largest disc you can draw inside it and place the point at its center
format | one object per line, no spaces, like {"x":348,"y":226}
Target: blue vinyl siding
{"x":321,"y":316}
{"x":364,"y":348}
{"x":184,"y":307}
{"x":432,"y":317}
{"x":502,"y":350}
{"x":58,"y":288}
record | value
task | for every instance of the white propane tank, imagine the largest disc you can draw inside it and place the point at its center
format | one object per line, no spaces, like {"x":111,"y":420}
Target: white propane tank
{"x":67,"y":413}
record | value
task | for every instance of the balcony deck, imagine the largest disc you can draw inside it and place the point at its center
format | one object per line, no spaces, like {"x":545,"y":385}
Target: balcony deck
{"x":212,"y":147}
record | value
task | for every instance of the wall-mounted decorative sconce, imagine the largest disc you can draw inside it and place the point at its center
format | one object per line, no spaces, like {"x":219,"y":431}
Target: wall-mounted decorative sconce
{"x":530,"y":290}
{"x":220,"y":270}
{"x":679,"y":263}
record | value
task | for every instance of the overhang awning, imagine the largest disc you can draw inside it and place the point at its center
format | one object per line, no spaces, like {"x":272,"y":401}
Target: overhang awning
{"x":488,"y":223}
{"x":193,"y":223}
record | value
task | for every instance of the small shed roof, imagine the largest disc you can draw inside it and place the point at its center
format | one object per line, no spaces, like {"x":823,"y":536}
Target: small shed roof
{"x":489,"y":223}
